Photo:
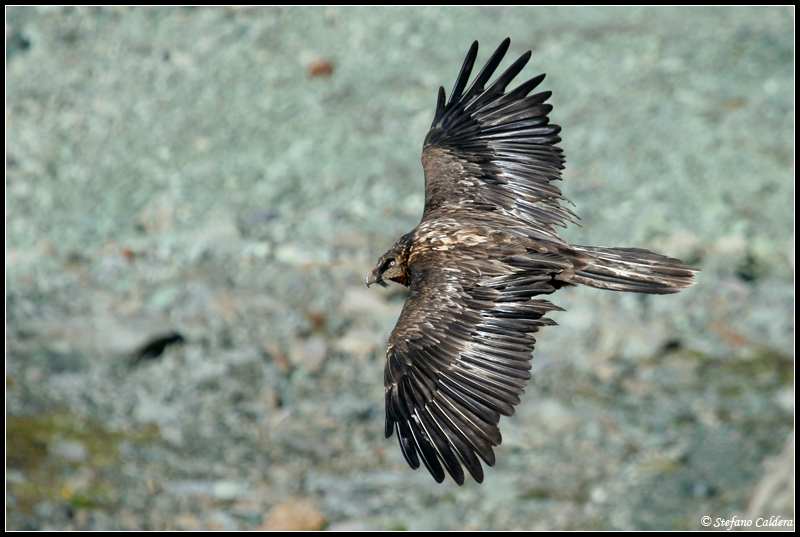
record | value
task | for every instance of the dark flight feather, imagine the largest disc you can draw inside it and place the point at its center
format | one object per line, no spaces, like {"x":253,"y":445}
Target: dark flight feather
{"x":486,"y":248}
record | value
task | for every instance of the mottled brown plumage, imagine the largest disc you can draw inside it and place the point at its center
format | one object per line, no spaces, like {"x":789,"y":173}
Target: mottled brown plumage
{"x":459,"y":357}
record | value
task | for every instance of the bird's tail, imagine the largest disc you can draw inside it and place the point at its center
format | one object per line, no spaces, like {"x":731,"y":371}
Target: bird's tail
{"x":634,"y":270}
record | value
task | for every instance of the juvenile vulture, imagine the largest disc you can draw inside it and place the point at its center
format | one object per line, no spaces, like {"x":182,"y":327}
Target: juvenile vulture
{"x":486,"y":248}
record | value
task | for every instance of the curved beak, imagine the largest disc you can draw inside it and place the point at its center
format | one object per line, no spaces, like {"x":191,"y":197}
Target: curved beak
{"x":373,"y":277}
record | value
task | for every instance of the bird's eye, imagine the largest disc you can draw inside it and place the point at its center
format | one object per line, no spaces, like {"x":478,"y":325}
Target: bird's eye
{"x":391,"y":263}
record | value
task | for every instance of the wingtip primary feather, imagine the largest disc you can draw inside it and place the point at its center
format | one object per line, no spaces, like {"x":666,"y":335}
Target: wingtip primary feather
{"x":463,"y":75}
{"x":440,"y":101}
{"x":488,"y":70}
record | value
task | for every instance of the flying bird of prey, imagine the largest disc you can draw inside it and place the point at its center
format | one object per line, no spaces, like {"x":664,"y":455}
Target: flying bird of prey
{"x":486,"y":248}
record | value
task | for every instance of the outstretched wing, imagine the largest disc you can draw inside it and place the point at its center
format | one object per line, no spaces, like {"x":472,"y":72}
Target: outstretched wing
{"x":459,"y":357}
{"x":488,"y":150}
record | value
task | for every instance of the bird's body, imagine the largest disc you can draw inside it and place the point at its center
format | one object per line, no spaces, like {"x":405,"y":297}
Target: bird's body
{"x":485,"y":249}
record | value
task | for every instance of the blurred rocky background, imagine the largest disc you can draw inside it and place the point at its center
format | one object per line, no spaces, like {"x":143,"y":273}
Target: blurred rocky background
{"x":193,"y":199}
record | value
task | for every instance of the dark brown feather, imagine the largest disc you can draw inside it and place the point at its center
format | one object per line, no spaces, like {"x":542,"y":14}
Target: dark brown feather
{"x":459,"y":356}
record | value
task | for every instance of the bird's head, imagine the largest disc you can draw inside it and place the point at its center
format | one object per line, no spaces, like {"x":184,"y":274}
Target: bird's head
{"x":392,"y":265}
{"x":389,"y":267}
